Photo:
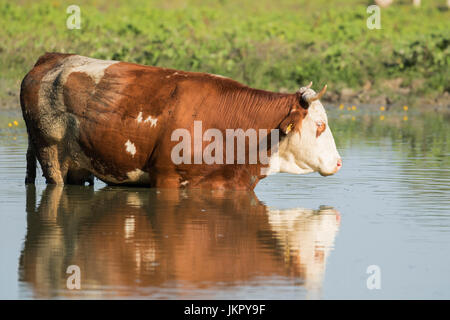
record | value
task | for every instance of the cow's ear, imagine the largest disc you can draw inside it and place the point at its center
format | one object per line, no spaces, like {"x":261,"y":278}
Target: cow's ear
{"x":302,"y":101}
{"x":292,"y":121}
{"x":305,"y":96}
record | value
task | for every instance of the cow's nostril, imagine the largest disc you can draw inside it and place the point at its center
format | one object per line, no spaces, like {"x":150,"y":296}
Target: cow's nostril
{"x":339,"y":163}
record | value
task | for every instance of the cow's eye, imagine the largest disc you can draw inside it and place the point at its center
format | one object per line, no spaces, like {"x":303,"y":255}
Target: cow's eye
{"x":321,"y":126}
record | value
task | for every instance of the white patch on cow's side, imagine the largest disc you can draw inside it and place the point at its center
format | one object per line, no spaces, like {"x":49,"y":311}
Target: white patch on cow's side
{"x":139,"y":117}
{"x":184,"y":183}
{"x":138,"y":175}
{"x":130,"y":147}
{"x":152,"y":121}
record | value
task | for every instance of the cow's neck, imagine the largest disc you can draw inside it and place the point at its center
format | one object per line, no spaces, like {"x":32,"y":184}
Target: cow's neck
{"x":256,"y":109}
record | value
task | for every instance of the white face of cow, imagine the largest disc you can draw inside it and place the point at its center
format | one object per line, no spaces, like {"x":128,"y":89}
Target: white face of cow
{"x":310,"y":149}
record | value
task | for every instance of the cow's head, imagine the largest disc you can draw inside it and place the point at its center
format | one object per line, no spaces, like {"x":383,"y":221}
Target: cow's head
{"x":309,"y":144}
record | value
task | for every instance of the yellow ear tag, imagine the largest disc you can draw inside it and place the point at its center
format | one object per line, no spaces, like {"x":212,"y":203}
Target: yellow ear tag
{"x":289,"y":128}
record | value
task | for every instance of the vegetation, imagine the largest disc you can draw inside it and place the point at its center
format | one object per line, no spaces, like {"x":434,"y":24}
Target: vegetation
{"x":273,"y":45}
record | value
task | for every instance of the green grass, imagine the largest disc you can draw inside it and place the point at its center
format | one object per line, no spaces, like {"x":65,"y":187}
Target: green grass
{"x":273,"y":45}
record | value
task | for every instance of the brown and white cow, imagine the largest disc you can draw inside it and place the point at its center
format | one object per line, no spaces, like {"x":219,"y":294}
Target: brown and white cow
{"x":114,"y":120}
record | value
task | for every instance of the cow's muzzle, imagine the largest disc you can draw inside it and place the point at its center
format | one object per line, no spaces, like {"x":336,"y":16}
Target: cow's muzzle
{"x":336,"y":169}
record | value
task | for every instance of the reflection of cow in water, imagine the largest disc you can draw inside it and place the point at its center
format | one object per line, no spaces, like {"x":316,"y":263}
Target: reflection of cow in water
{"x":135,"y":242}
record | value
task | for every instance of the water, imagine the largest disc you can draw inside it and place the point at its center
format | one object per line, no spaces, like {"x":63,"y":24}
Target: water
{"x":296,"y":237}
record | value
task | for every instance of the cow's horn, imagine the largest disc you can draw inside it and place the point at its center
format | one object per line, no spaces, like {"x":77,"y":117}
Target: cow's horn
{"x":309,"y":85}
{"x":317,"y":96}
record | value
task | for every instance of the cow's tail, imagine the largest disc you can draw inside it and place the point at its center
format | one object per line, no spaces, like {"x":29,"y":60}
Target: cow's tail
{"x":31,"y":152}
{"x":31,"y":163}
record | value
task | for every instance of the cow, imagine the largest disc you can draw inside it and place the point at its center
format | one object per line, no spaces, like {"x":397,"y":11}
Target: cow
{"x":115,"y":121}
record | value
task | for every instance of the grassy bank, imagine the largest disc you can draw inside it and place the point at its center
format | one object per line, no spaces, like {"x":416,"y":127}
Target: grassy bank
{"x":274,"y":45}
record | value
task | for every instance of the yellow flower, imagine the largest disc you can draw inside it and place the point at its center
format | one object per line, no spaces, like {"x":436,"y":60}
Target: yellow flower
{"x":382,"y":108}
{"x":353,"y":107}
{"x":341,"y":107}
{"x":353,"y":118}
{"x":381,"y":117}
{"x":405,"y":118}
{"x":14,"y":138}
{"x":405,"y":108}
{"x":16,"y":123}
{"x":348,"y":108}
{"x":10,"y":124}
